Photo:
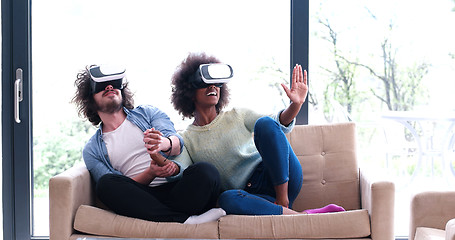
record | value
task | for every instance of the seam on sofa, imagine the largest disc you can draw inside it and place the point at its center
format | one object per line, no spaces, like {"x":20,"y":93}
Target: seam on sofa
{"x":218,"y":227}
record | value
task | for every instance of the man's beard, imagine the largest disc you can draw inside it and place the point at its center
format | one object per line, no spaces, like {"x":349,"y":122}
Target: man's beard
{"x":110,"y":107}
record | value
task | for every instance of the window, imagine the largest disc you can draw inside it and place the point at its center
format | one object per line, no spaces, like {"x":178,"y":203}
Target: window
{"x":150,"y":39}
{"x":142,"y":36}
{"x":356,"y":49}
{"x":1,"y":157}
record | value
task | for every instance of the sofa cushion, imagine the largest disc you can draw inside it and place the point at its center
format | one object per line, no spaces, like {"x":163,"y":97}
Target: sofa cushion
{"x":425,"y":233}
{"x":349,"y":224}
{"x":97,"y":221}
{"x":327,"y":154}
{"x":450,"y":230}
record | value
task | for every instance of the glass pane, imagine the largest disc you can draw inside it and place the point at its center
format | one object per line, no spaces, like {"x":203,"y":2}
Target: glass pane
{"x":388,"y":66}
{"x":149,"y":38}
{"x":1,"y":155}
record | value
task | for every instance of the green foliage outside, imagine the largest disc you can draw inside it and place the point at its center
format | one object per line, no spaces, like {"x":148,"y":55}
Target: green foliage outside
{"x":59,"y":149}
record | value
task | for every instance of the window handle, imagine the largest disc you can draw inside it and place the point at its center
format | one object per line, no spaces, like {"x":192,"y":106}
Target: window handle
{"x":18,"y":94}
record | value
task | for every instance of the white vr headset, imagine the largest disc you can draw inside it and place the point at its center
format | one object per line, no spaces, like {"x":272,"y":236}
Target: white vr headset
{"x":212,"y":74}
{"x":102,"y":76}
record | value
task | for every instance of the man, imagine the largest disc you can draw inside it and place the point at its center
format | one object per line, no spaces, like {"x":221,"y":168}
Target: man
{"x":127,"y":157}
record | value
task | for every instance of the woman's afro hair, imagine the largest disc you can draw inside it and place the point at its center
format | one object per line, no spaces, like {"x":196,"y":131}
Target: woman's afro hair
{"x":183,"y":92}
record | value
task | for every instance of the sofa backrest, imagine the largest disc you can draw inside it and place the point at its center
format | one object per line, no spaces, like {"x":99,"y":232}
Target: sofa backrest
{"x":327,"y":154}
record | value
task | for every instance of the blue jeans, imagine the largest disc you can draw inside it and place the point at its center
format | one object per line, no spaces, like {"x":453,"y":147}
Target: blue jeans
{"x":279,"y":165}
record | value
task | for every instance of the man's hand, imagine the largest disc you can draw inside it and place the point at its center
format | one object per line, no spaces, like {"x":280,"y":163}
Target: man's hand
{"x":164,"y":171}
{"x":154,"y":142}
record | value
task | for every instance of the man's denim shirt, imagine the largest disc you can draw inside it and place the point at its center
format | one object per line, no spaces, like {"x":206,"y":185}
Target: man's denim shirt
{"x":145,"y":117}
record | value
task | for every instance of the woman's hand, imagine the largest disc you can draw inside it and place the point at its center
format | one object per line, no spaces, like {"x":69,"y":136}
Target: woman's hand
{"x":297,"y":94}
{"x":299,"y":88}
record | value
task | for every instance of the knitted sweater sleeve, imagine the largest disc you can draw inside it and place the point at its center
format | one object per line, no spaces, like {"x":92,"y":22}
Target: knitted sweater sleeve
{"x":250,"y":117}
{"x":183,"y":160}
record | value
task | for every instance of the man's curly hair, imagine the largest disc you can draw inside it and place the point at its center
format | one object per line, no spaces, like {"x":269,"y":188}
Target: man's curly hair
{"x":85,"y":103}
{"x":183,"y":92}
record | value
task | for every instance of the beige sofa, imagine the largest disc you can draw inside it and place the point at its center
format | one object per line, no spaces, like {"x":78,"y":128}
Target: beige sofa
{"x":331,"y":175}
{"x":433,"y":216}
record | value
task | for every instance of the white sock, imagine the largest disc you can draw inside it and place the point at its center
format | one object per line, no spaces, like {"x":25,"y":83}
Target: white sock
{"x":211,"y":215}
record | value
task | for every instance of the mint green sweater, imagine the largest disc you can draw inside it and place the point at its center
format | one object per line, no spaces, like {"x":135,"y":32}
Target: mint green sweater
{"x":227,"y":142}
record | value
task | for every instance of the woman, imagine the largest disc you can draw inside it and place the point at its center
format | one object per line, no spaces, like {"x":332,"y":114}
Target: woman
{"x":260,"y":175}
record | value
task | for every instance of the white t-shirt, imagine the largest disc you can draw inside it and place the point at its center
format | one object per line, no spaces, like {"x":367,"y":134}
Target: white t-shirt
{"x":127,"y":151}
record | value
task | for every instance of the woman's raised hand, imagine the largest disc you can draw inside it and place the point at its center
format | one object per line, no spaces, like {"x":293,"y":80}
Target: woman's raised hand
{"x":299,"y":88}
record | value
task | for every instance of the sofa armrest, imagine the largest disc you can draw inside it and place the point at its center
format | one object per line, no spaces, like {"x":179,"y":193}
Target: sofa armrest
{"x":450,"y":230}
{"x":378,"y":197}
{"x":67,"y":191}
{"x":432,"y":209}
